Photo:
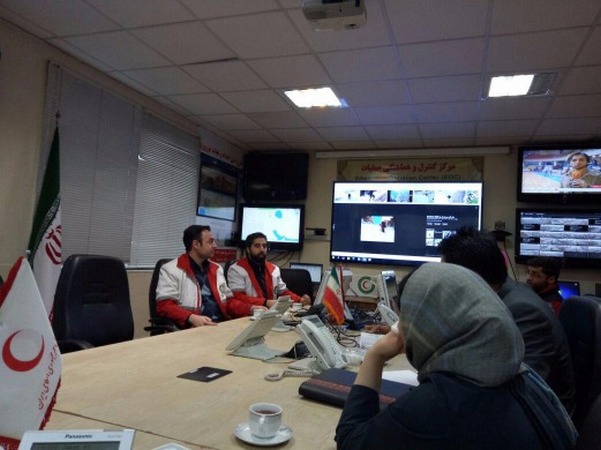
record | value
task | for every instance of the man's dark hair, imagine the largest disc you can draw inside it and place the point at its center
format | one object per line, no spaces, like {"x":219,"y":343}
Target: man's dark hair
{"x":193,"y":233}
{"x":587,"y":157}
{"x":476,"y":251}
{"x":251,"y":237}
{"x":549,"y":265}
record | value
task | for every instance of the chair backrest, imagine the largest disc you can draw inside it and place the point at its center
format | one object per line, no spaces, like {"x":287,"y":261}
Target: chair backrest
{"x":298,"y":281}
{"x":590,"y":437}
{"x":581,"y":320}
{"x":152,"y":290}
{"x":92,"y":301}
{"x":227,"y":265}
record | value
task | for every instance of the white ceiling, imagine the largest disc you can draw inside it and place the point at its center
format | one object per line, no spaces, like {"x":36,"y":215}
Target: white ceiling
{"x":412,"y":76}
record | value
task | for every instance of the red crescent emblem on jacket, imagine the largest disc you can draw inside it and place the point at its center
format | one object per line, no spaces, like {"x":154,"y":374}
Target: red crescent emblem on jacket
{"x":16,"y":364}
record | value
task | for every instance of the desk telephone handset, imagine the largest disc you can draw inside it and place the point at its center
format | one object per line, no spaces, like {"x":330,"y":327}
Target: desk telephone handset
{"x":322,"y":345}
{"x":388,"y":315}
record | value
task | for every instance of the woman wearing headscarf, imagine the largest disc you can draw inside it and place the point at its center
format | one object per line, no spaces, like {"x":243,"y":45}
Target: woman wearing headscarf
{"x":474,"y":391}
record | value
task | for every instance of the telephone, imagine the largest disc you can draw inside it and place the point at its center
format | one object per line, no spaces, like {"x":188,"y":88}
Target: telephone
{"x":327,"y":351}
{"x":389,"y":316}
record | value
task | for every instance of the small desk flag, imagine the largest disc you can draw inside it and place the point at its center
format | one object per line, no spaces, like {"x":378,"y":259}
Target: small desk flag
{"x":332,"y":297}
{"x":30,"y":362}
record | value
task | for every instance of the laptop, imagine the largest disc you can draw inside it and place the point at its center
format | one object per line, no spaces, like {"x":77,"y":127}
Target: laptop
{"x":569,"y":289}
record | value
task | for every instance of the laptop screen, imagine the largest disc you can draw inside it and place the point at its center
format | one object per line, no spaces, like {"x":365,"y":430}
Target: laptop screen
{"x":569,"y":289}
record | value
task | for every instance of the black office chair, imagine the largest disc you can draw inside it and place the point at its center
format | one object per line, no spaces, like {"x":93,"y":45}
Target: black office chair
{"x":581,"y":319}
{"x":298,"y":281}
{"x":158,"y":325}
{"x":227,"y":265}
{"x":590,"y":437}
{"x":91,"y":303}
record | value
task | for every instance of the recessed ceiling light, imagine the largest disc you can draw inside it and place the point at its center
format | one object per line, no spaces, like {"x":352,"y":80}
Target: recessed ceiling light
{"x":315,"y":98}
{"x":520,"y":85}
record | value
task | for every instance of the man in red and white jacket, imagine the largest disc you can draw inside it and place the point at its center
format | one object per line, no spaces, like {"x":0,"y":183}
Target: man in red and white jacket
{"x":256,"y":281}
{"x":192,"y":290}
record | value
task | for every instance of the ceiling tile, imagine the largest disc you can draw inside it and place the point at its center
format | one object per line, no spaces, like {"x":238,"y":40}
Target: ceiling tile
{"x":428,"y":20}
{"x":329,"y":117}
{"x":282,"y":119}
{"x":118,"y":50}
{"x":297,"y":135}
{"x":558,"y":127}
{"x":353,"y":145}
{"x":167,"y":80}
{"x":590,"y":53}
{"x":252,"y":136}
{"x":60,"y":18}
{"x":141,"y":13}
{"x":260,"y":35}
{"x":445,"y":89}
{"x":185,"y":43}
{"x":447,"y":112}
{"x":257,"y":101}
{"x":362,"y":65}
{"x":457,"y":57}
{"x":534,"y":50}
{"x":581,"y":80}
{"x":226,"y":76}
{"x":507,"y":128}
{"x":203,"y":103}
{"x":385,"y":115}
{"x":291,"y":72}
{"x":448,"y":143}
{"x":448,"y":129}
{"x":231,"y":121}
{"x":518,"y":16}
{"x":513,"y":108}
{"x":206,"y":9}
{"x":393,"y":132}
{"x":373,"y":93}
{"x":400,"y":143}
{"x":576,"y":106}
{"x":343,"y":133}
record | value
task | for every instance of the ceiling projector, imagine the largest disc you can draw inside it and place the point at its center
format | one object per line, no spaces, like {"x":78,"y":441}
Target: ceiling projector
{"x":334,"y":14}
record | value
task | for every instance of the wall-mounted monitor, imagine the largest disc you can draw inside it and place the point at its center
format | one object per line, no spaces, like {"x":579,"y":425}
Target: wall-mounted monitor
{"x":574,"y":235}
{"x":282,"y":224}
{"x":399,"y":223}
{"x":562,"y":174}
{"x":275,"y":176}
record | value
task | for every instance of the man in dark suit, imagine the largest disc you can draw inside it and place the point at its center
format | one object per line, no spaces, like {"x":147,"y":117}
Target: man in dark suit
{"x":546,"y":345}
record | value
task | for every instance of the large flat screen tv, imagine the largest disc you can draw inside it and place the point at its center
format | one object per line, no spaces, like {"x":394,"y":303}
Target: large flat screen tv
{"x":562,"y":174}
{"x":275,"y":176}
{"x":399,"y":223}
{"x":282,"y":224}
{"x":574,"y":235}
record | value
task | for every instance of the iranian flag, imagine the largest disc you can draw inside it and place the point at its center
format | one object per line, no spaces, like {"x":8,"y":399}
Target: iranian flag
{"x":332,"y":296}
{"x":30,"y":361}
{"x":45,"y":240}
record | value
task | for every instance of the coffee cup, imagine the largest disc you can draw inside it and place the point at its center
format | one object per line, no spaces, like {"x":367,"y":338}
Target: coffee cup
{"x":264,"y":419}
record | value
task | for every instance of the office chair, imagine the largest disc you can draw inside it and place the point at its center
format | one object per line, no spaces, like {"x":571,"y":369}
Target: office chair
{"x":581,"y":319}
{"x":590,"y":438}
{"x":298,"y":281}
{"x":91,"y":303}
{"x":158,"y":325}
{"x":227,"y":265}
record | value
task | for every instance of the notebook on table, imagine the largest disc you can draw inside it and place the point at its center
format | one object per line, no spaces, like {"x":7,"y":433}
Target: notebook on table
{"x":332,"y":386}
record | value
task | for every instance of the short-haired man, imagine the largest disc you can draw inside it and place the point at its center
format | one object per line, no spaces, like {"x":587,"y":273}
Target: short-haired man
{"x":543,"y":273}
{"x":192,"y":291}
{"x":545,"y":343}
{"x":255,"y":280}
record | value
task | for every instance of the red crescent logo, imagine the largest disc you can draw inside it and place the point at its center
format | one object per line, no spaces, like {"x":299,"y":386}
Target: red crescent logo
{"x":16,"y":364}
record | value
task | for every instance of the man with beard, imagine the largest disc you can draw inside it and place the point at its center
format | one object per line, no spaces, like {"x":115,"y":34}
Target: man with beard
{"x":543,"y":272}
{"x":255,"y":280}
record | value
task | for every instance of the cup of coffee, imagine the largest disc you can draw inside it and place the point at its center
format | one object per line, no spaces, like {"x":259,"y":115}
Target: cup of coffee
{"x":264,"y":419}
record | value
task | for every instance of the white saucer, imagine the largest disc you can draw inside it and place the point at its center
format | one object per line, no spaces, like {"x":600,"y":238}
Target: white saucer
{"x":243,"y":433}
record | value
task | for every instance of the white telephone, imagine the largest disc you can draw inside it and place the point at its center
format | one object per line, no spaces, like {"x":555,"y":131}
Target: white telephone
{"x":327,"y":351}
{"x":389,"y":316}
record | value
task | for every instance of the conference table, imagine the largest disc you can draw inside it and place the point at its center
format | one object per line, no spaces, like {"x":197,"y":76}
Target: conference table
{"x":135,"y":385}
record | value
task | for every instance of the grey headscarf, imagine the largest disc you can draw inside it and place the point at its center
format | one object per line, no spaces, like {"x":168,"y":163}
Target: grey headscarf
{"x":453,"y":321}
